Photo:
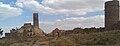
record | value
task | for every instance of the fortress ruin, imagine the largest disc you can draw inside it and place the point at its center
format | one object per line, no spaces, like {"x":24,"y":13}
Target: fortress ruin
{"x":111,"y":20}
{"x":28,"y":29}
{"x":111,"y":23}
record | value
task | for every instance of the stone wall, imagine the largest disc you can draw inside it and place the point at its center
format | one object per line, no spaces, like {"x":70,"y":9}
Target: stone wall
{"x":35,"y":20}
{"x":111,"y":14}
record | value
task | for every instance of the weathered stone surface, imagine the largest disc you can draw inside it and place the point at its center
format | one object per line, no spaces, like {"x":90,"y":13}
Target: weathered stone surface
{"x":111,"y":14}
{"x":57,"y":32}
{"x":38,"y":32}
{"x":28,"y":29}
{"x":35,"y":20}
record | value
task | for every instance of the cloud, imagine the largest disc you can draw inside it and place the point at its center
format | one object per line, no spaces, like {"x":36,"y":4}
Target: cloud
{"x":7,"y":11}
{"x":65,"y":7}
{"x":73,"y":22}
{"x":74,"y":4}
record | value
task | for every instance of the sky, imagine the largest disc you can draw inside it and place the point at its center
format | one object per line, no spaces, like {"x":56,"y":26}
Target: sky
{"x":62,"y":14}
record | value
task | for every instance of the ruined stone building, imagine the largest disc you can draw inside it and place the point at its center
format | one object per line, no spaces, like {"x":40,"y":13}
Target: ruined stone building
{"x":111,"y":20}
{"x":28,"y":29}
{"x":111,"y":14}
{"x":57,"y":32}
{"x":111,"y":23}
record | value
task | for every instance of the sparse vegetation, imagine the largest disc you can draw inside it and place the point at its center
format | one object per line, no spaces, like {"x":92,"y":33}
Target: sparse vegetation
{"x":99,"y":38}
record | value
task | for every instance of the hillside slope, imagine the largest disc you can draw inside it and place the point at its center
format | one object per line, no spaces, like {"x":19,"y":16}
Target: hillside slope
{"x":106,"y":38}
{"x":100,"y":38}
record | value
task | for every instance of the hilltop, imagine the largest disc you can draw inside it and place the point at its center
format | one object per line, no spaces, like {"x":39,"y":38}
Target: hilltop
{"x":106,"y":38}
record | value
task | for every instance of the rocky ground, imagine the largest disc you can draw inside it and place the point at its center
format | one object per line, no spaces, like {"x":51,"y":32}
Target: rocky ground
{"x":107,"y":38}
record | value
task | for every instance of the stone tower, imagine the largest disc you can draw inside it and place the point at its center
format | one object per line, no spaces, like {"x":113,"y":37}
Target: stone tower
{"x":35,"y":20}
{"x":38,"y":31}
{"x":111,"y":13}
